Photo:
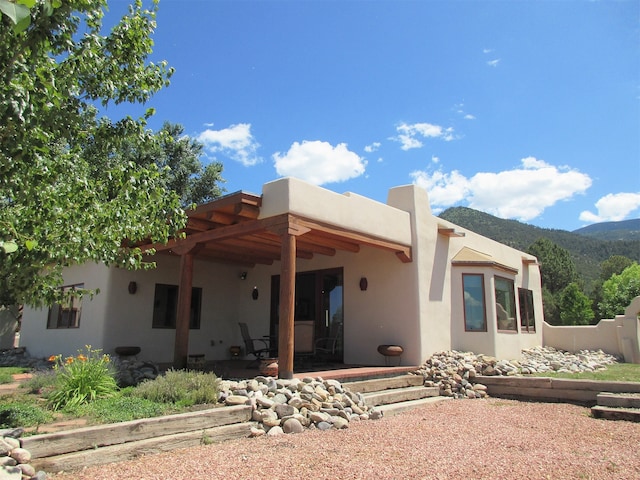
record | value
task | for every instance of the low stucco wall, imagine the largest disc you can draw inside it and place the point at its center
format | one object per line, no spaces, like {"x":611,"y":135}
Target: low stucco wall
{"x":618,"y":336}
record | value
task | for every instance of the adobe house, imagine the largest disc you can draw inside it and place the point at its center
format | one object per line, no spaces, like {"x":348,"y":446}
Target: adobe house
{"x":300,"y":263}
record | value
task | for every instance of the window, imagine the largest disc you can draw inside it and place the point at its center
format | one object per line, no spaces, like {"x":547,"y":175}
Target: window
{"x":165,"y":307}
{"x":505,"y":304}
{"x":474,"y":308}
{"x":67,"y":313}
{"x":527,"y":318}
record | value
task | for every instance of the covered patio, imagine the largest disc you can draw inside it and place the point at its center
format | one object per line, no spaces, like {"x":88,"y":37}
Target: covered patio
{"x":235,"y":229}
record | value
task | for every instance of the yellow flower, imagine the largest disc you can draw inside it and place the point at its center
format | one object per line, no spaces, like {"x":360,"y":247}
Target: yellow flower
{"x":53,"y":358}
{"x":82,"y":358}
{"x":68,"y":360}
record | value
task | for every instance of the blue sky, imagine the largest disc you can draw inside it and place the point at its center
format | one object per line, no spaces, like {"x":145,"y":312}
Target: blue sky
{"x":524,"y":109}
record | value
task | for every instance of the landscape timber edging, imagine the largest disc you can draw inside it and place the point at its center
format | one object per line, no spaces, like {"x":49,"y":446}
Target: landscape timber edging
{"x":553,"y":389}
{"x":100,"y":444}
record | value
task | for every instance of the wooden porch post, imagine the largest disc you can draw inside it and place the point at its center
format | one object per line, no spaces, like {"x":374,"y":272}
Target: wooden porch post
{"x":287,"y":305}
{"x":181,"y":348}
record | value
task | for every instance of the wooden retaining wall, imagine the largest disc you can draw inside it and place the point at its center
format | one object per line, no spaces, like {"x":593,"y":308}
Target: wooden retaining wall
{"x":115,"y":442}
{"x":553,"y":389}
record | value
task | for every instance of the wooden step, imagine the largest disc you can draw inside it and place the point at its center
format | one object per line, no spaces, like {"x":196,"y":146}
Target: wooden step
{"x":615,"y":413}
{"x":394,"y":408}
{"x":379,"y":384}
{"x":396,"y":395}
{"x":624,"y":400}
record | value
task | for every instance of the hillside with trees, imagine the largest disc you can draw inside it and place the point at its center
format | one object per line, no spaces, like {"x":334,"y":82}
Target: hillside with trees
{"x":623,"y":230}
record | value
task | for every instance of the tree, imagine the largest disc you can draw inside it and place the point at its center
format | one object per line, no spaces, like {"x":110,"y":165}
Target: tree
{"x":619,"y":290}
{"x":557,"y":268}
{"x":614,"y":265}
{"x":178,"y":156}
{"x":59,"y":206}
{"x":557,"y":271}
{"x":575,"y":306}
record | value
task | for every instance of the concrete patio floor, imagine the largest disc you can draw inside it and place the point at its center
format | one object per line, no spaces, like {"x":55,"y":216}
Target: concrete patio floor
{"x":244,"y":369}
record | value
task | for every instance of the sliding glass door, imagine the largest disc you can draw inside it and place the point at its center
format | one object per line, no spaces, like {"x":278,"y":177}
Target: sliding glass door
{"x":318,"y":327}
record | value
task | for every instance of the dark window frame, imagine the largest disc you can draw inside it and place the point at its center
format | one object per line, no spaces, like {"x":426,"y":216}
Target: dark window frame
{"x":467,"y":308}
{"x":511,"y":304}
{"x":165,"y":307}
{"x":67,"y":314}
{"x":527,"y":310}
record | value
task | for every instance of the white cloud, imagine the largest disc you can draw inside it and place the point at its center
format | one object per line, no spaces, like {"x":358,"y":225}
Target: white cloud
{"x":522,"y":193}
{"x":487,"y":50}
{"x":409,"y":134}
{"x":468,"y":116}
{"x":445,"y":189}
{"x":613,"y":208}
{"x":236,"y":142}
{"x":319,"y":162}
{"x":493,"y":63}
{"x":373,"y":147}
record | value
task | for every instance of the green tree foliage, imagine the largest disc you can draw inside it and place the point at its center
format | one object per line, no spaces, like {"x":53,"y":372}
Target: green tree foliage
{"x":58,"y":206}
{"x":551,"y":306}
{"x":178,"y":156}
{"x":614,"y":265}
{"x":619,"y":290}
{"x":557,"y":271}
{"x":575,"y":306}
{"x":557,"y":268}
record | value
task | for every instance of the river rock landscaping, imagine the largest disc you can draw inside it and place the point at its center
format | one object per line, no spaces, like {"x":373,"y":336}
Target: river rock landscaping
{"x":454,"y":371}
{"x":14,"y":460}
{"x":290,"y":406}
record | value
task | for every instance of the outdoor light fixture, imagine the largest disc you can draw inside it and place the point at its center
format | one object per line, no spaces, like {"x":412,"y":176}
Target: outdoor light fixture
{"x":363,"y":283}
{"x":133,"y":287}
{"x":255,"y":293}
{"x":243,"y":275}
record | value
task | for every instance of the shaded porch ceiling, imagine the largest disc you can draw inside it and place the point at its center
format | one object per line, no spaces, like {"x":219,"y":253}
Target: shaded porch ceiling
{"x":230,"y":230}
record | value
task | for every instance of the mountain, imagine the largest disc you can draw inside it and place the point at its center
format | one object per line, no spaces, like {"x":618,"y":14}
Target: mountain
{"x":624,"y":230}
{"x":586,"y":250}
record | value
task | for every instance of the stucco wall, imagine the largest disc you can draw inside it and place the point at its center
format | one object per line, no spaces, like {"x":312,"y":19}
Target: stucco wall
{"x":618,"y":336}
{"x":43,"y":342}
{"x":440,"y":290}
{"x":347,"y":210}
{"x":418,"y":305}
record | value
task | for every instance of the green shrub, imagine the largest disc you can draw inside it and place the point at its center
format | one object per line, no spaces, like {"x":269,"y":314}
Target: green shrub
{"x":122,"y":408}
{"x":41,"y":382}
{"x":180,"y":387}
{"x":81,"y":379}
{"x":22,"y":413}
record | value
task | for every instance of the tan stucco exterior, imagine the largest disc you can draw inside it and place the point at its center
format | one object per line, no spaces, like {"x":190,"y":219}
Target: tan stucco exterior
{"x":417,"y":304}
{"x":618,"y":336}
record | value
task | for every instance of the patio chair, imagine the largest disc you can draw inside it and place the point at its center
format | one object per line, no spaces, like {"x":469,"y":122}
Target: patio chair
{"x":325,"y":347}
{"x":250,"y":343}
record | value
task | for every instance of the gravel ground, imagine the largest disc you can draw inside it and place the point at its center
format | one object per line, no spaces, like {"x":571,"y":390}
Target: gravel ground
{"x":456,"y":439}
